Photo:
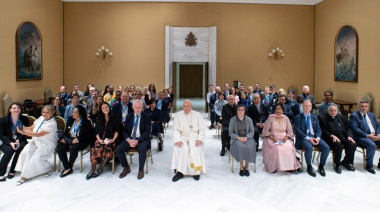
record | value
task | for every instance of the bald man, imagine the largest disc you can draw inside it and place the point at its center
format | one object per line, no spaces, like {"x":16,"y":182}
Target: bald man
{"x":189,"y":132}
{"x":136,"y":135}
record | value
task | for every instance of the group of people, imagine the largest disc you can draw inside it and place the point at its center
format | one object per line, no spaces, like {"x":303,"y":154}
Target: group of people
{"x":286,"y":125}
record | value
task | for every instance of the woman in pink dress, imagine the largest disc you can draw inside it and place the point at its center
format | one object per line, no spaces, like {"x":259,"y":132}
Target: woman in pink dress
{"x":279,"y":152}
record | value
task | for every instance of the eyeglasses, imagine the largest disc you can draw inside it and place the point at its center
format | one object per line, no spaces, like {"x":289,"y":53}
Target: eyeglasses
{"x":240,"y":109}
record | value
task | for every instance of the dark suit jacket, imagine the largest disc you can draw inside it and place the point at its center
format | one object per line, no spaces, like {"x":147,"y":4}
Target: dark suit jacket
{"x":117,"y":109}
{"x":145,"y":127}
{"x":107,"y":131}
{"x":227,"y":113}
{"x":328,"y":127}
{"x":301,"y":128}
{"x":255,"y":115}
{"x":358,"y":127}
{"x":155,"y":115}
{"x":213,"y":99}
{"x":6,"y":129}
{"x":85,"y":133}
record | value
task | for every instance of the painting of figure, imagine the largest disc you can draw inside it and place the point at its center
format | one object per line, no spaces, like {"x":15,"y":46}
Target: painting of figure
{"x":29,"y":52}
{"x":346,"y":55}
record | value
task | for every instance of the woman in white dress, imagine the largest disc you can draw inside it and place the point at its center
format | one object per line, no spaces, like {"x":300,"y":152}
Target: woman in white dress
{"x":33,"y":160}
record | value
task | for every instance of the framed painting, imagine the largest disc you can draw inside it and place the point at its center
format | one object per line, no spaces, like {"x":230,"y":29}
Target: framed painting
{"x":346,"y":55}
{"x":28,"y":52}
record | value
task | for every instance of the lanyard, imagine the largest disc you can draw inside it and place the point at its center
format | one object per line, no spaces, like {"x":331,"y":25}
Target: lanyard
{"x":76,"y":127}
{"x":40,"y":125}
{"x":124,"y":108}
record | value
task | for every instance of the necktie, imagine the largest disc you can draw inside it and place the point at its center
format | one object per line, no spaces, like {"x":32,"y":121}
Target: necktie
{"x":366,"y":124}
{"x":135,"y":127}
{"x":308,"y":125}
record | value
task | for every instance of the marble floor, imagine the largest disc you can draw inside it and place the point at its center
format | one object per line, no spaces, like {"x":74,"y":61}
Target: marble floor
{"x":217,"y":190}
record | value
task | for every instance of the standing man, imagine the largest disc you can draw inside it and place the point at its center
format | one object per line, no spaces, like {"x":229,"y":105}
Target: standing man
{"x":338,"y":135}
{"x":189,"y":132}
{"x":366,"y":132}
{"x":213,"y":99}
{"x":136,"y":133}
{"x":323,"y":108}
{"x":64,"y":95}
{"x":306,"y":95}
{"x":76,"y":88}
{"x":91,"y":101}
{"x":210,"y":92}
{"x":308,"y":134}
{"x":228,"y":111}
{"x":226,"y":90}
{"x":257,"y":88}
{"x":259,"y":114}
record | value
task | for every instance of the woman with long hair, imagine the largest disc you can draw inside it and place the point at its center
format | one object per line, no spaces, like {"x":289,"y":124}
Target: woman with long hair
{"x":96,"y":108}
{"x":152,"y":91}
{"x":57,"y":102}
{"x":12,"y":141}
{"x":106,"y":131}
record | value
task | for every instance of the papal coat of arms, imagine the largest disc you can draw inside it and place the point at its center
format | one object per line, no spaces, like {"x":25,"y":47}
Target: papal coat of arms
{"x":191,"y":40}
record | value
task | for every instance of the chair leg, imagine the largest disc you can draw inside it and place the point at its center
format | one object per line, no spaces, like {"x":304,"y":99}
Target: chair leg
{"x":254,"y":167}
{"x":146,"y":162}
{"x":332,"y":159}
{"x":318,"y":156}
{"x":81,"y":161}
{"x":59,"y":165}
{"x":232,"y":165}
{"x":113,"y":164}
{"x":301,"y":153}
{"x":313,"y":157}
{"x":55,"y":161}
{"x":364,"y":159}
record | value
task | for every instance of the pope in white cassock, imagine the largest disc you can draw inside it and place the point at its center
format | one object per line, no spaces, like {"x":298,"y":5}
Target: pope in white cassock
{"x":189,"y":133}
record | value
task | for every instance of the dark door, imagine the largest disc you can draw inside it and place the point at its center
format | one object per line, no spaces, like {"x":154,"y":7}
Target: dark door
{"x":190,"y":81}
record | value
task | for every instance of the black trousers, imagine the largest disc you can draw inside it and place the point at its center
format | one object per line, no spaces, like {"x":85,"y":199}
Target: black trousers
{"x":8,"y":152}
{"x":225,"y":138}
{"x":212,"y":117}
{"x":124,"y":147}
{"x":156,"y":129}
{"x":62,"y":150}
{"x":337,"y":148}
{"x":256,"y":136}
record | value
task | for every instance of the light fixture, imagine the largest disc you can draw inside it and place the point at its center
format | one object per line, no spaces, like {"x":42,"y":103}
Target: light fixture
{"x":277,"y":53}
{"x":103,"y":53}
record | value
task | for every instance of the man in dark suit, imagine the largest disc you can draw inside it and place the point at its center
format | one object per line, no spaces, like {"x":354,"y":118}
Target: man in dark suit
{"x":257,"y":88}
{"x":64,"y":95}
{"x":228,"y":111}
{"x":226,"y":90}
{"x":156,"y":122}
{"x":308,"y":136}
{"x":338,"y":135}
{"x":366,"y":132}
{"x":136,"y":135}
{"x":211,"y":105}
{"x":91,"y":101}
{"x":306,"y":95}
{"x":259,"y":114}
{"x":121,"y":109}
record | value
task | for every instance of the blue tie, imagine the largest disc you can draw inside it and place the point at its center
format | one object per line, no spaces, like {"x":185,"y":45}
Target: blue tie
{"x":366,"y":125}
{"x":308,"y":125}
{"x":135,"y":127}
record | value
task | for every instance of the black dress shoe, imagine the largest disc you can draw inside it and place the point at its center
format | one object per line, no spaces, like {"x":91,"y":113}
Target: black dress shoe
{"x":310,"y":171}
{"x":223,"y":152}
{"x":196,"y":177}
{"x":242,"y":173}
{"x":297,"y":171}
{"x":246,"y":173}
{"x":64,"y":175}
{"x":371,"y":170}
{"x":321,"y":171}
{"x":3,"y":179}
{"x":177,"y":177}
{"x":125,"y":171}
{"x":89,"y":175}
{"x":348,"y":166}
{"x":140,"y":175}
{"x":10,"y":176}
{"x":338,"y":169}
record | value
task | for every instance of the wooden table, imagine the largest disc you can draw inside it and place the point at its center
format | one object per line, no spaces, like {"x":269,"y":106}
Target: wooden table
{"x":35,"y":108}
{"x":342,"y":103}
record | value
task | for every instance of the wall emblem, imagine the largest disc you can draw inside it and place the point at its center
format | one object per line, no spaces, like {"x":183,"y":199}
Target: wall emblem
{"x":191,"y":40}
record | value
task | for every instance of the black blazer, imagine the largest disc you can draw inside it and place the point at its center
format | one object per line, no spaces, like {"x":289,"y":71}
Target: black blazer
{"x":255,"y":115}
{"x":6,"y":129}
{"x":145,"y":127}
{"x":155,"y":115}
{"x":328,"y":128}
{"x":117,"y":109}
{"x":85,"y":134}
{"x":227,"y":113}
{"x":113,"y":126}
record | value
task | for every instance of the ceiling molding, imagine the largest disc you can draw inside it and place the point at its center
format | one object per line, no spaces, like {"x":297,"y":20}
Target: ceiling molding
{"x":288,"y":2}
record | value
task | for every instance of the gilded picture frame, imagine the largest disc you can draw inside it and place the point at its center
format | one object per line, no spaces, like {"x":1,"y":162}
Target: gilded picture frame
{"x":346,"y":55}
{"x":28,"y":52}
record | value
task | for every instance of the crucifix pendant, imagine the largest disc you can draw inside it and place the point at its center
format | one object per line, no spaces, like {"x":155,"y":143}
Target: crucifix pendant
{"x":191,"y":126}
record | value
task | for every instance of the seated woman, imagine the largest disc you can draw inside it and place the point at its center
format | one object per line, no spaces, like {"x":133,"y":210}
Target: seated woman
{"x":156,"y":122}
{"x":57,"y":102}
{"x":96,"y":108}
{"x":13,"y":142}
{"x":244,"y":100}
{"x":106,"y":131}
{"x":79,"y":133}
{"x":33,"y":160}
{"x":243,"y":147}
{"x":278,"y":148}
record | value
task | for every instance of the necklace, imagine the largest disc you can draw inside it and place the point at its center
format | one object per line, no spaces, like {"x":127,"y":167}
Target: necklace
{"x":190,"y":121}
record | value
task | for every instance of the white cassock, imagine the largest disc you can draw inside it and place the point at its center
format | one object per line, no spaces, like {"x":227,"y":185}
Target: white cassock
{"x":189,"y":159}
{"x":33,"y":159}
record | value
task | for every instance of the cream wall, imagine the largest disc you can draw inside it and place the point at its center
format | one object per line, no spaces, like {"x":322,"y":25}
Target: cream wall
{"x":48,"y":16}
{"x":364,"y":16}
{"x":135,"y":33}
